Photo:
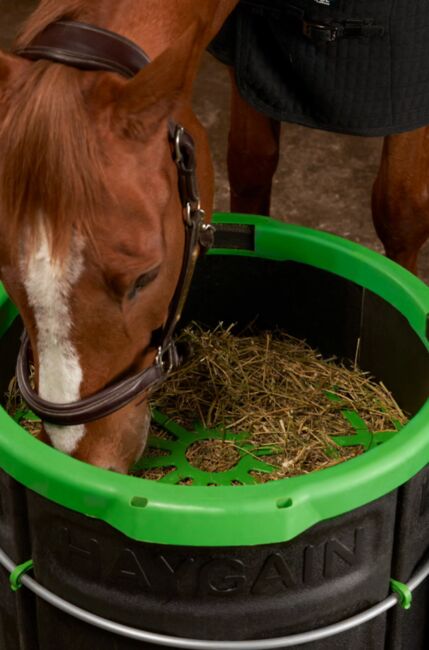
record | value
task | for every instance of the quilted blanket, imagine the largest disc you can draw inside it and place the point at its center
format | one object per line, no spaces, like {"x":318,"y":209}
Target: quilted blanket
{"x":351,"y":66}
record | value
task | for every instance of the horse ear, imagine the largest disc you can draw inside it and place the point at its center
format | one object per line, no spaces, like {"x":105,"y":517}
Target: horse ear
{"x":152,"y":94}
{"x":10,"y":66}
{"x":5,"y":66}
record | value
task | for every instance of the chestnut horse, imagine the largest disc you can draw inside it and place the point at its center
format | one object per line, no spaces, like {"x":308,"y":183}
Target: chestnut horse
{"x":91,"y":223}
{"x":91,"y":226}
{"x":400,"y":200}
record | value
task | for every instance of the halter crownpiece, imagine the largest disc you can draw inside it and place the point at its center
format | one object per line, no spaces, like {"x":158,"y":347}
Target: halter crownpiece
{"x":88,"y":47}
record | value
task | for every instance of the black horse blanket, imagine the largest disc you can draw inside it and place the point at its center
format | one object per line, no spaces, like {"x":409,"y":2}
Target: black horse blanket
{"x":351,"y":66}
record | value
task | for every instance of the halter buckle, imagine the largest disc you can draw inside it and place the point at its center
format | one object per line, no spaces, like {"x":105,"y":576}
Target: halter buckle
{"x":193,"y":213}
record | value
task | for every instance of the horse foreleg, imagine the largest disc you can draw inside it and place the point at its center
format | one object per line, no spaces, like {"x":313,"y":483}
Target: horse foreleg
{"x":253,"y":154}
{"x":400,"y":200}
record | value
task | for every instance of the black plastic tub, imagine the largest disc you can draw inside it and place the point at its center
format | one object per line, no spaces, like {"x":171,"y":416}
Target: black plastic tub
{"x":248,"y":563}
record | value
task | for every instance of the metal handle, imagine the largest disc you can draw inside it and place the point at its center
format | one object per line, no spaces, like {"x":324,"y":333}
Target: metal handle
{"x":199,"y":644}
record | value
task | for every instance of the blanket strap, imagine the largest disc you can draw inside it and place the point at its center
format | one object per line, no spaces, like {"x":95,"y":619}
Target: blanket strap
{"x":322,"y":33}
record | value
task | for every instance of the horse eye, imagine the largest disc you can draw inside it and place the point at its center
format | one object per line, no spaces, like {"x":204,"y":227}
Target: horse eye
{"x":142,"y":281}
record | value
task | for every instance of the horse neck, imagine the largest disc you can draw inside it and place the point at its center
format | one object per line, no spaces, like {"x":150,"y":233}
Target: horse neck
{"x":153,"y":25}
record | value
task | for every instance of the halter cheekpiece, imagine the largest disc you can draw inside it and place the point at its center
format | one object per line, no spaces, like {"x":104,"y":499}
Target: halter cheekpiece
{"x":88,"y":47}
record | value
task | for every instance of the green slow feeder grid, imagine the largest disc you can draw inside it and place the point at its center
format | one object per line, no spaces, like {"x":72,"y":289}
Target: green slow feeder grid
{"x":249,"y":460}
{"x":240,"y":473}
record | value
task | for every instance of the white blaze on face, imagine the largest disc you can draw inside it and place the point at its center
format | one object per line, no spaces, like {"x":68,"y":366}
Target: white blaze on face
{"x":48,"y":286}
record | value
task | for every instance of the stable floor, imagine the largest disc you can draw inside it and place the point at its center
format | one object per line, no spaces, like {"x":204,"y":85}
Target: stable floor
{"x":324,"y":180}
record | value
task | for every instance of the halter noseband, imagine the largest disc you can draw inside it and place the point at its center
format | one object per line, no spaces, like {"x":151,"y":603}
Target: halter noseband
{"x":90,"y":48}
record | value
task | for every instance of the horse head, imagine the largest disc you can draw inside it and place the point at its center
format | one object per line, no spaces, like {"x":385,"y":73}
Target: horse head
{"x":92,"y":231}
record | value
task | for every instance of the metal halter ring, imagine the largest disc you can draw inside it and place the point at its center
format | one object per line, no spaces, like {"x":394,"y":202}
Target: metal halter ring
{"x":167,"y":358}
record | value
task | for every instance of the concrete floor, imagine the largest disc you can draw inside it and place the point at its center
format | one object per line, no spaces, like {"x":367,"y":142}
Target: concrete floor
{"x":324,"y":179}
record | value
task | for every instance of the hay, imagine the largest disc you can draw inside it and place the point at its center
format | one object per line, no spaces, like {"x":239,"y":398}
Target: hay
{"x":288,"y":398}
{"x":278,"y":389}
{"x":18,"y":409}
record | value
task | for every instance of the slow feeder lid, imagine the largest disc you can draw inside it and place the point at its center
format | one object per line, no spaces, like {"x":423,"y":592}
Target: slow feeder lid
{"x":228,"y":515}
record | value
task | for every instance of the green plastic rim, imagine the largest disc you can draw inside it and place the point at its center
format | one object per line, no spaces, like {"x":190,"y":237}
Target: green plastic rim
{"x":272,"y":512}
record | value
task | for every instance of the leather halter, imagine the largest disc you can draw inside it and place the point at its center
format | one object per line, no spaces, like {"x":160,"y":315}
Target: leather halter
{"x":88,"y":47}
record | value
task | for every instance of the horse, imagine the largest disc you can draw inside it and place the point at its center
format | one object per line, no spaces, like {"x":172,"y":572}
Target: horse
{"x":92,"y":237}
{"x":92,"y":240}
{"x":400,"y":196}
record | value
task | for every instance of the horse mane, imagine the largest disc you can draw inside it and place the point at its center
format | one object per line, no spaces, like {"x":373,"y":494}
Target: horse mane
{"x":50,"y":167}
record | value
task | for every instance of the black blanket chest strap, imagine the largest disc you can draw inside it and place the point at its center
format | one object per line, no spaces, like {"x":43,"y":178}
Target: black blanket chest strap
{"x":321,"y":33}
